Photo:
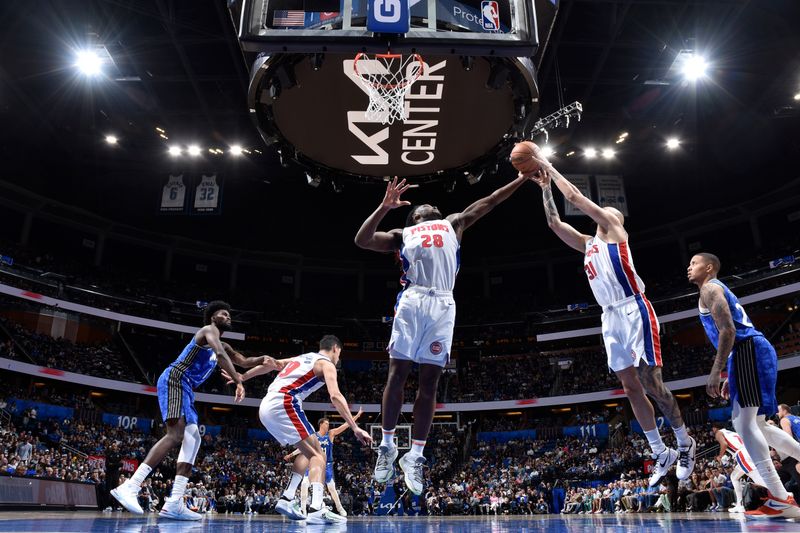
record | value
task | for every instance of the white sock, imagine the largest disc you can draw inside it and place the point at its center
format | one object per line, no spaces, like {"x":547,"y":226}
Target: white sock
{"x":417,"y":447}
{"x":292,"y":488}
{"x":682,"y":436}
{"x":179,"y":487}
{"x":771,"y":479}
{"x":654,"y":438}
{"x":141,"y":474}
{"x":316,"y":496}
{"x":388,"y":438}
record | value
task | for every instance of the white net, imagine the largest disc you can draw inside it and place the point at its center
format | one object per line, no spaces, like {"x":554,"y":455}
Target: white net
{"x":387,"y":79}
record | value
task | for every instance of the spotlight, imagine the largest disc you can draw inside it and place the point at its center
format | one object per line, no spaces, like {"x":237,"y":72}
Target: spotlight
{"x":590,"y":153}
{"x":236,"y":150}
{"x":88,"y":62}
{"x":570,"y":153}
{"x":797,"y":97}
{"x":547,"y":151}
{"x":623,"y":135}
{"x":175,"y":150}
{"x":608,"y":153}
{"x":111,"y":139}
{"x":673,"y":143}
{"x":694,"y":68}
{"x":193,"y":150}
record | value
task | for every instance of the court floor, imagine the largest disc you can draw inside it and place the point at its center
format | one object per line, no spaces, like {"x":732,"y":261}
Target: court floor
{"x":93,"y":522}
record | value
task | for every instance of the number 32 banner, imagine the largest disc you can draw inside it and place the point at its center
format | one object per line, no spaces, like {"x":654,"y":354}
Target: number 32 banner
{"x":208,"y":196}
{"x":178,"y":196}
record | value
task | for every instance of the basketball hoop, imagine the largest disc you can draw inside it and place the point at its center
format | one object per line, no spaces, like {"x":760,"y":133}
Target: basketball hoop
{"x":387,"y":78}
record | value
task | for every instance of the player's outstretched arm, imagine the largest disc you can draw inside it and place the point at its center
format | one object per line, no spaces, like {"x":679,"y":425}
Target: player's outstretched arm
{"x":574,"y":196}
{"x":712,"y":297}
{"x":461,"y":221}
{"x":266,"y":367}
{"x":212,"y":338}
{"x":571,"y":237}
{"x":368,"y":236}
{"x":245,"y":362}
{"x":327,"y":371}
{"x":344,"y":427}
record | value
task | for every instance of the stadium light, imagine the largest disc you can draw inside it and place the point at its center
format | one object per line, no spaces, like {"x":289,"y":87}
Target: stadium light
{"x":547,"y":151}
{"x":88,"y":62}
{"x":694,"y":68}
{"x":673,"y":143}
{"x":797,"y":97}
{"x":111,"y":139}
{"x":590,"y":153}
{"x":193,"y":150}
{"x":608,"y":153}
{"x":236,"y":150}
{"x":174,"y":151}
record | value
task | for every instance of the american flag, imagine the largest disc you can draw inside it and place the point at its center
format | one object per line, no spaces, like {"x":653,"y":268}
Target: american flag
{"x":284,"y":17}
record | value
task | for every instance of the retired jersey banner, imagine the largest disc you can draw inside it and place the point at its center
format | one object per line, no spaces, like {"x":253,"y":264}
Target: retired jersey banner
{"x":207,"y":196}
{"x":611,"y":193}
{"x":173,"y":195}
{"x":581,"y":181}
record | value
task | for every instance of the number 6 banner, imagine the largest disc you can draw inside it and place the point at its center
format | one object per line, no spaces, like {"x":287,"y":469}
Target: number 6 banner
{"x":207,"y":196}
{"x":173,"y":195}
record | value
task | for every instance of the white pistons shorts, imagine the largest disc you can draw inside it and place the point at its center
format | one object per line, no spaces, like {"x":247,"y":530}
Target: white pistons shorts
{"x":631,"y":333}
{"x":422,"y":330}
{"x":282,"y":415}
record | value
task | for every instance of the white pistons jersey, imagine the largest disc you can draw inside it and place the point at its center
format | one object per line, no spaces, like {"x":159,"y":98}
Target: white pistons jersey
{"x":733,"y":440}
{"x":609,"y":267}
{"x":297,"y":378}
{"x":430,"y":255}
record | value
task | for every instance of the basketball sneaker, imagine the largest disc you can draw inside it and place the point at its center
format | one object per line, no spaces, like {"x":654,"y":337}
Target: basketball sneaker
{"x":775,"y":508}
{"x":128,"y":495}
{"x":663,"y":462}
{"x":341,"y":511}
{"x":177,"y":510}
{"x":325,"y":516}
{"x":686,"y":460}
{"x":736,"y":509}
{"x":290,"y":509}
{"x":384,"y":466}
{"x":412,"y":468}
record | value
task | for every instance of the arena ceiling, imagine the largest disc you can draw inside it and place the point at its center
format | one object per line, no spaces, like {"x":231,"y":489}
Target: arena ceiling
{"x":176,"y":65}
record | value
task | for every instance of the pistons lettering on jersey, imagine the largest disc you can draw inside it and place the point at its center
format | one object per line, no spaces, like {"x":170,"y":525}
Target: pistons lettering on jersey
{"x":593,"y":250}
{"x":430,"y":227}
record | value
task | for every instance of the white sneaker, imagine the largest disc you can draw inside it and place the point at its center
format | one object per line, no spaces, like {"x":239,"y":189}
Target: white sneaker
{"x":177,"y":510}
{"x":128,"y":495}
{"x":290,"y":509}
{"x":325,"y":516}
{"x":736,"y":509}
{"x":686,"y":460}
{"x":341,"y":511}
{"x":412,"y":468}
{"x":384,"y":466}
{"x":663,"y":462}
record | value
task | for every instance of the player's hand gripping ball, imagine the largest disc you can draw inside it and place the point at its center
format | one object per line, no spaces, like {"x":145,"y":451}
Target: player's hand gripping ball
{"x":525,"y":157}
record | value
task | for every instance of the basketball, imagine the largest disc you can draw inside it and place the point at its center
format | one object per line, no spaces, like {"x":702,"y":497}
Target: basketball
{"x":523,"y":157}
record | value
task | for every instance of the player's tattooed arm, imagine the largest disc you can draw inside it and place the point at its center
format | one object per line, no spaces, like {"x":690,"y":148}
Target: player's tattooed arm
{"x":550,"y":209}
{"x":571,"y":237}
{"x":712,"y":297}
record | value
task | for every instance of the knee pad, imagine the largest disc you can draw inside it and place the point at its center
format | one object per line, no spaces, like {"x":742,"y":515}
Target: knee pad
{"x":190,"y":445}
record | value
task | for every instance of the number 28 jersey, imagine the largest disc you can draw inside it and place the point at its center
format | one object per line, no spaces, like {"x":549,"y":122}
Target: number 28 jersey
{"x":430,"y":255}
{"x":744,"y":327}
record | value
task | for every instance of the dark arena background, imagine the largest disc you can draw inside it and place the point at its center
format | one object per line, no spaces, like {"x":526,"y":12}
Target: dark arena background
{"x":158,"y":155}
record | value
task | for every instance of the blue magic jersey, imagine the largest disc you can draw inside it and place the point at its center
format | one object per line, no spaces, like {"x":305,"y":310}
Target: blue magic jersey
{"x":744,"y":327}
{"x":327,"y":446}
{"x":794,"y":422}
{"x":195,"y":363}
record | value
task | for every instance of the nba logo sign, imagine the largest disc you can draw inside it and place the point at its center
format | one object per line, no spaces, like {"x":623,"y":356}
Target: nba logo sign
{"x":490,"y":10}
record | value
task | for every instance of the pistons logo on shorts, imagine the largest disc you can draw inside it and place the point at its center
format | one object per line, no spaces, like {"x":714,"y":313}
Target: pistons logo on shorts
{"x":436,"y":348}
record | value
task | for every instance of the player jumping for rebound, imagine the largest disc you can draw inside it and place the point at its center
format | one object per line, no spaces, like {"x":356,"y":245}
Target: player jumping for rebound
{"x":422,"y":330}
{"x":325,"y":436}
{"x":629,"y":323}
{"x":281,"y":412}
{"x":752,"y":367}
{"x":176,"y":398}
